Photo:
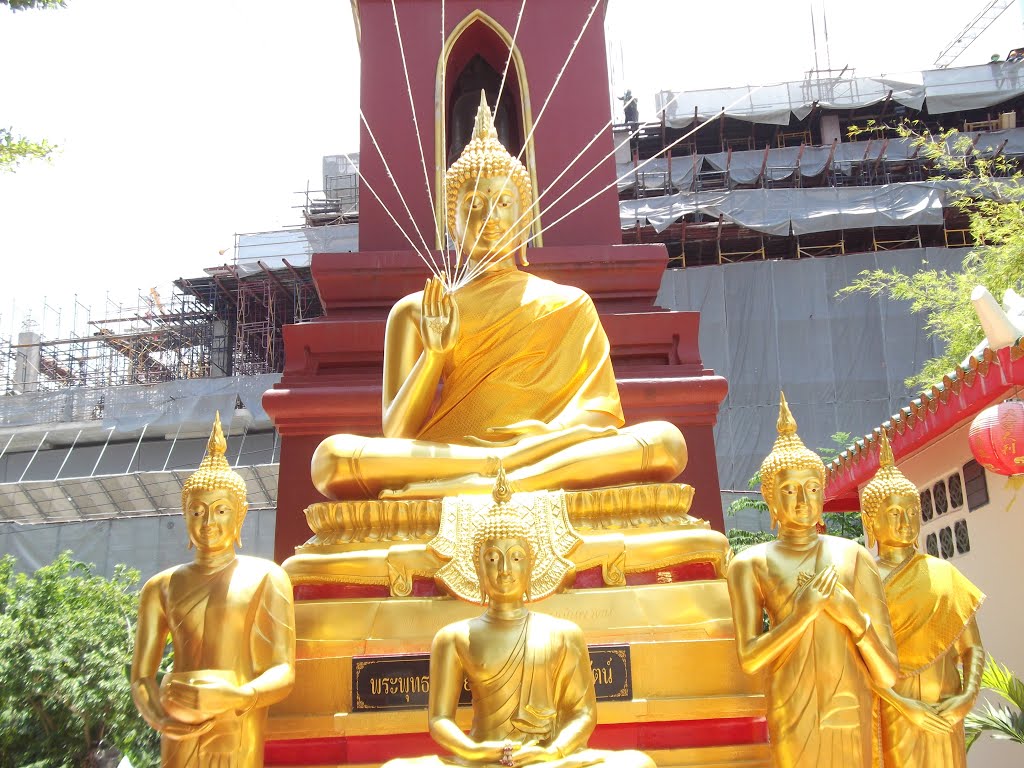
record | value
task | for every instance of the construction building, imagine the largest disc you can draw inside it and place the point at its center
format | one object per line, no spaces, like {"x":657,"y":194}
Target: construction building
{"x":766,"y":204}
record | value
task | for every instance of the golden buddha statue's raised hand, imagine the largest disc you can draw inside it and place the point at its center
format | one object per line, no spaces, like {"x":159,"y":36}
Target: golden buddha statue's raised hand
{"x":231,"y":623}
{"x":529,"y":673}
{"x":829,"y":639}
{"x":933,"y":616}
{"x":522,"y":363}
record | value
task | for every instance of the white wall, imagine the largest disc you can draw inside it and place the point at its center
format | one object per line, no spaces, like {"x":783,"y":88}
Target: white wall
{"x":994,"y":564}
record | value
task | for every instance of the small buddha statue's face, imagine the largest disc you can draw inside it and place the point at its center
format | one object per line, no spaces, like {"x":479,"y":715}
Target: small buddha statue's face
{"x":487,"y":217}
{"x":897,"y":522}
{"x":504,"y":567}
{"x":798,"y":499}
{"x":214,"y":519}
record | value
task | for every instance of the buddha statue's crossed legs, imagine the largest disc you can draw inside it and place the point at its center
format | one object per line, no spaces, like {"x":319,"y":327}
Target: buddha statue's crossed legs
{"x":355,"y":467}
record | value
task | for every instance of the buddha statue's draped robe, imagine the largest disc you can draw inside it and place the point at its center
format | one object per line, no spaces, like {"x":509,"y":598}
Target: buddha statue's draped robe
{"x":541,"y":687}
{"x":821,"y":706}
{"x":542,"y":691}
{"x":207,"y":615}
{"x":930,"y":603}
{"x":529,"y":349}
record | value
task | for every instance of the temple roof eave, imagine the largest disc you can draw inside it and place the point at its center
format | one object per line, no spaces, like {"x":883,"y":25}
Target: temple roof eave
{"x":960,"y":395}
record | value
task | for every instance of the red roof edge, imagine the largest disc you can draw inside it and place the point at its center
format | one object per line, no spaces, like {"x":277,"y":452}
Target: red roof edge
{"x":961,"y":395}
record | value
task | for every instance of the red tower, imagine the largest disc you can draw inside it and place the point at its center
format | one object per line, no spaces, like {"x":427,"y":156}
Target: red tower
{"x":554,"y":102}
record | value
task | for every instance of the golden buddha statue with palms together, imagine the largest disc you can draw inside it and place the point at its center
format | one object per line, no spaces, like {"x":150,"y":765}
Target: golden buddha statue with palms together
{"x":522,"y":363}
{"x":529,"y":673}
{"x":933,"y":609}
{"x":829,"y":642}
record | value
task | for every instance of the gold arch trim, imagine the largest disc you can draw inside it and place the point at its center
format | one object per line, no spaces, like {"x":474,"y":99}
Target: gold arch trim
{"x":441,"y":111}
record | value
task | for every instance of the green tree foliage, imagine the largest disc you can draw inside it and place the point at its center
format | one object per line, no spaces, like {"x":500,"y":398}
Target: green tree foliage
{"x":66,"y":637}
{"x":991,"y":192}
{"x":21,"y":5}
{"x":15,"y":149}
{"x":1000,"y":721}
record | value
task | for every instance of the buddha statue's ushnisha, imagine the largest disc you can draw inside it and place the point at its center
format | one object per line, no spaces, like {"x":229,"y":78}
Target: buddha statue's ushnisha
{"x":933,"y":608}
{"x":522,"y":363}
{"x":231,"y":623}
{"x":529,"y":673}
{"x":829,"y":640}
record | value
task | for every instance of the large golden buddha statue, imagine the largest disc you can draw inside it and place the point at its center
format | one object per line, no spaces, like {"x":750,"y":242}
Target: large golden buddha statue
{"x":529,"y":673}
{"x":933,"y":608}
{"x":231,"y":622}
{"x":522,"y":363}
{"x":828,"y":640}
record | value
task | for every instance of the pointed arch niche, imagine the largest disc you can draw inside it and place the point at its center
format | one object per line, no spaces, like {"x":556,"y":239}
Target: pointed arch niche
{"x":472,"y":60}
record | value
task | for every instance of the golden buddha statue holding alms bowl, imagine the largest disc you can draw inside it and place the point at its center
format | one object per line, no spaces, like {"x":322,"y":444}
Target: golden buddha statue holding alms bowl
{"x":504,"y":369}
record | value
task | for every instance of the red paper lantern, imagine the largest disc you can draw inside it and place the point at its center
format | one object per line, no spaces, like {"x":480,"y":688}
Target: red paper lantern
{"x":997,"y":438}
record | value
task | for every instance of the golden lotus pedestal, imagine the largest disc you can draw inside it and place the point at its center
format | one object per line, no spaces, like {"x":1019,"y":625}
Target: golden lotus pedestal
{"x":648,"y":594}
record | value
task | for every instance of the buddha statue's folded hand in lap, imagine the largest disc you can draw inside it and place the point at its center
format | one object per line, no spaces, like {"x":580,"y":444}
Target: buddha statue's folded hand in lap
{"x":933,"y":608}
{"x":523,"y":366}
{"x":529,"y":673}
{"x":231,"y":623}
{"x":829,"y":639}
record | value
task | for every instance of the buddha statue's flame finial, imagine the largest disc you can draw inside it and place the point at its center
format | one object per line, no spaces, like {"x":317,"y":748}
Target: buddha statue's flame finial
{"x":483,"y":128}
{"x":502,"y":492}
{"x":788,"y":452}
{"x":888,"y":480}
{"x":885,"y":458}
{"x":214,"y":471}
{"x":786,"y":424}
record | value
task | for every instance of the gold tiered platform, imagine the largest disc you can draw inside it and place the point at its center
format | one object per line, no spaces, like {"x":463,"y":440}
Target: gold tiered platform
{"x":648,"y":592}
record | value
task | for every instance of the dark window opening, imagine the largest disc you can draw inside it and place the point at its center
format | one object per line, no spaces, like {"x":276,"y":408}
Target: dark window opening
{"x":956,"y":491}
{"x":963,"y":540}
{"x":941,"y":502}
{"x":926,"y":506}
{"x":946,"y":541}
{"x":977,"y":485}
{"x":931,"y":545}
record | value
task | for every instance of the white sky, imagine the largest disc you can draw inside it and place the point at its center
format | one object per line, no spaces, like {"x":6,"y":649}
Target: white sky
{"x":184,"y":122}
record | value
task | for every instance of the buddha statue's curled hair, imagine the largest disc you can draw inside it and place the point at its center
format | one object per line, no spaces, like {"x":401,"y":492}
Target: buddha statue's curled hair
{"x":888,"y":481}
{"x":214,"y":473}
{"x":789,"y":452}
{"x":485,"y":156}
{"x":502,"y":521}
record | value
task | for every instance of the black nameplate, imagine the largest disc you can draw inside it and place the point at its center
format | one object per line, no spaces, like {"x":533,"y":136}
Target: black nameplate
{"x":403,"y":682}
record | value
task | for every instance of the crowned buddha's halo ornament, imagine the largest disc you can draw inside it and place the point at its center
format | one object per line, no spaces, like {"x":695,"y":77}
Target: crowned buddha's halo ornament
{"x":996,"y":438}
{"x":467,"y":520}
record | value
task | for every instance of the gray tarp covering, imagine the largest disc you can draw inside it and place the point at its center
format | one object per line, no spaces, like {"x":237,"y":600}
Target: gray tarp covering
{"x":962,"y":88}
{"x":295,"y":245}
{"x":163,"y":406}
{"x":800,"y":211}
{"x":149,"y":544}
{"x":944,"y":90}
{"x":745,"y":165}
{"x":775,"y":325}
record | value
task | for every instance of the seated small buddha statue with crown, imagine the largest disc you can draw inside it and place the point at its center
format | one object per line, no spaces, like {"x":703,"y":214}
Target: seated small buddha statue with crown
{"x":231,"y":622}
{"x":505,"y":369}
{"x":529,"y":673}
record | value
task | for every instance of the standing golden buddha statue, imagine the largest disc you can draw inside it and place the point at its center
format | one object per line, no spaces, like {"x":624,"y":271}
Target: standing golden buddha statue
{"x":232,"y":625}
{"x":933,"y":608}
{"x":829,"y":640}
{"x":529,"y":673}
{"x":523,"y":367}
